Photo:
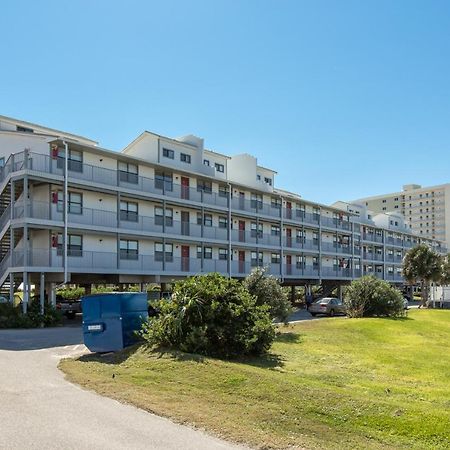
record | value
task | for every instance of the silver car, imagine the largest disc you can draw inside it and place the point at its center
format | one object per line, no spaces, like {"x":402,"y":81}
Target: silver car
{"x":329,"y":306}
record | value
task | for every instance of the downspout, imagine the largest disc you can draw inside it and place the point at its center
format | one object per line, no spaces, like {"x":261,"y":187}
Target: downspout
{"x":66,"y":169}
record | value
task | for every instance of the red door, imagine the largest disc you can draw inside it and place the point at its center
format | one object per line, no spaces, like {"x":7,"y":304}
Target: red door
{"x":288,"y":237}
{"x":288,"y":264}
{"x":185,"y":258}
{"x":288,"y":210}
{"x":241,"y":261}
{"x":242,"y":231}
{"x":185,"y":188}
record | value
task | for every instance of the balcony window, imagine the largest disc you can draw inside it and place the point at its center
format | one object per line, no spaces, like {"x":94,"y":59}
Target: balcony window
{"x":75,"y":160}
{"x":300,"y":210}
{"x":223,"y":254}
{"x":184,"y":157}
{"x":300,"y":262}
{"x":268,"y":181}
{"x":219,"y":167}
{"x":159,"y":216}
{"x":275,"y":203}
{"x":300,"y":236}
{"x":74,"y":205}
{"x":275,"y":230}
{"x":223,"y":222}
{"x":205,"y":186}
{"x":223,"y":190}
{"x":275,"y":258}
{"x":128,"y":173}
{"x":167,"y":153}
{"x":199,"y":251}
{"x":256,"y":201}
{"x":315,"y":262}
{"x":207,"y":220}
{"x":256,"y":259}
{"x":207,"y":252}
{"x":128,"y":249}
{"x":128,"y":211}
{"x":74,"y":245}
{"x":163,"y":181}
{"x":206,"y":162}
{"x":161,"y":251}
{"x":256,"y":230}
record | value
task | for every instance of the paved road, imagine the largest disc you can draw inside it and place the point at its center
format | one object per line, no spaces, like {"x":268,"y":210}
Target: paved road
{"x":40,"y":410}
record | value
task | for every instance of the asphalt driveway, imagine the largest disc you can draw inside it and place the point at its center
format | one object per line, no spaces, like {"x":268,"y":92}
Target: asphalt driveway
{"x":41,"y":410}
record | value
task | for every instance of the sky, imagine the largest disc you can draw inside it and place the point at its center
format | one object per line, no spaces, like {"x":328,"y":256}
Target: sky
{"x":344,"y":99}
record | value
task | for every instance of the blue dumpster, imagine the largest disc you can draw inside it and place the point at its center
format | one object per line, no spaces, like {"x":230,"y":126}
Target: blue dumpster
{"x":110,"y":321}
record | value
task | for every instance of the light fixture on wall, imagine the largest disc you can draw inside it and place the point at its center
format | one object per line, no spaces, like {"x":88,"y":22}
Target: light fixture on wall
{"x":101,"y":159}
{"x":100,"y":199}
{"x":100,"y":240}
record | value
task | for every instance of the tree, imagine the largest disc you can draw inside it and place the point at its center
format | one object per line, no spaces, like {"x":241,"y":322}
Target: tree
{"x":211,"y":315}
{"x":444,"y":276}
{"x":422,"y":265}
{"x":368,"y":296}
{"x":268,"y":291}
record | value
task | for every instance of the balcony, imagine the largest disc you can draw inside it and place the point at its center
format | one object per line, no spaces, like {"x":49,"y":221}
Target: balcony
{"x":335,"y":272}
{"x":333,"y":222}
{"x":372,"y":256}
{"x":333,"y":247}
{"x":300,"y":271}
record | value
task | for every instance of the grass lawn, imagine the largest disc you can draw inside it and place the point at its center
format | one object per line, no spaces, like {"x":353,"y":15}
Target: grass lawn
{"x":330,"y":383}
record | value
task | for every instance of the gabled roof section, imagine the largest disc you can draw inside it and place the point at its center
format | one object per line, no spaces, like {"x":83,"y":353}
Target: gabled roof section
{"x":45,"y":130}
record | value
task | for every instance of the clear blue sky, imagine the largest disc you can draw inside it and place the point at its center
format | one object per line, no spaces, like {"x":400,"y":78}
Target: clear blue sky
{"x":343,"y":98}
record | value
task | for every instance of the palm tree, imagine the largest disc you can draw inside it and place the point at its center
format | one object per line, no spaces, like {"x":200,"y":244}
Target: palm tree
{"x":422,"y":265}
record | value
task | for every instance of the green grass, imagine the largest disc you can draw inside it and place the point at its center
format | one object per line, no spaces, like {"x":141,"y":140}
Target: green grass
{"x":344,"y":383}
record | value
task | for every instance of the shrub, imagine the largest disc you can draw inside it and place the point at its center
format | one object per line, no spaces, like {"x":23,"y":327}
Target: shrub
{"x":73,"y":293}
{"x":211,"y":315}
{"x":12,"y":317}
{"x":369,"y":296}
{"x":268,"y":291}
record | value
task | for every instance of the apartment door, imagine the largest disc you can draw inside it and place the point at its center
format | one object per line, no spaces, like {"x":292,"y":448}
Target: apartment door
{"x":288,"y":264}
{"x":185,"y":188}
{"x":241,"y":261}
{"x":185,"y":258}
{"x":242,"y":231}
{"x":241,"y":200}
{"x":288,"y":210}
{"x":185,"y":223}
{"x":288,"y":237}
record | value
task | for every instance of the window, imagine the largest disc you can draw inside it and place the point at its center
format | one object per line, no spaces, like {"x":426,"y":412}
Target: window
{"x":75,"y":160}
{"x":129,"y":211}
{"x":300,"y":210}
{"x":223,"y":222}
{"x":159,"y":216}
{"x":223,"y":253}
{"x":300,"y":236}
{"x":206,"y":162}
{"x":128,"y":172}
{"x":275,"y":230}
{"x":199,"y":251}
{"x":300,"y":262}
{"x":384,"y":201}
{"x":207,"y":252}
{"x":128,"y":249}
{"x":256,"y":258}
{"x":275,"y":203}
{"x":315,"y":262}
{"x":223,"y":190}
{"x":185,"y":158}
{"x":256,"y":230}
{"x":275,"y":258}
{"x":205,"y":186}
{"x":219,"y":167}
{"x":74,"y":245}
{"x":315,"y":237}
{"x":268,"y":181}
{"x":207,"y":220}
{"x":75,"y":202}
{"x":258,"y":177}
{"x":160,"y":251}
{"x":168,"y":153}
{"x":256,"y":201}
{"x":164,"y":181}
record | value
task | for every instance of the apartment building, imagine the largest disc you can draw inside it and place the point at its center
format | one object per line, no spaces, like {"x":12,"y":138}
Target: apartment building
{"x":163,"y":208}
{"x":426,"y":209}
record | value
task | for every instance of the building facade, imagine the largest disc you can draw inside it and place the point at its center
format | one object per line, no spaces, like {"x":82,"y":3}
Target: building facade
{"x":71,"y":211}
{"x":426,"y":209}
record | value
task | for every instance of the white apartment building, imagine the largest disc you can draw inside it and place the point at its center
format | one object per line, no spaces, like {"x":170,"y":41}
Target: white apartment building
{"x":161,"y":209}
{"x":426,"y":209}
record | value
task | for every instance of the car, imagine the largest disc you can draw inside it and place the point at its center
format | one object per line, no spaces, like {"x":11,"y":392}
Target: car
{"x":329,"y":306}
{"x":69,"y":308}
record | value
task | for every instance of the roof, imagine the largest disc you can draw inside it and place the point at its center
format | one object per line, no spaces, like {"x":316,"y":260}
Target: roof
{"x":51,"y":131}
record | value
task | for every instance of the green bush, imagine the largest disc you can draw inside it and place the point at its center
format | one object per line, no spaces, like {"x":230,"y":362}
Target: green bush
{"x":268,"y":291}
{"x":368,"y":296}
{"x":211,"y":315}
{"x":73,"y":293}
{"x":12,"y":317}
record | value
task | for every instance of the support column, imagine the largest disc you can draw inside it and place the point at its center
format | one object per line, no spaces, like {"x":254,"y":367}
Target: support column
{"x":26,"y":293}
{"x":11,"y":287}
{"x":50,"y":288}
{"x":340,"y":292}
{"x":42,"y":292}
{"x":292,"y":294}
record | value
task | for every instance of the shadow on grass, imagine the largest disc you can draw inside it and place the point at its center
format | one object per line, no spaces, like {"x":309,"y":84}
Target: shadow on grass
{"x":289,"y":338}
